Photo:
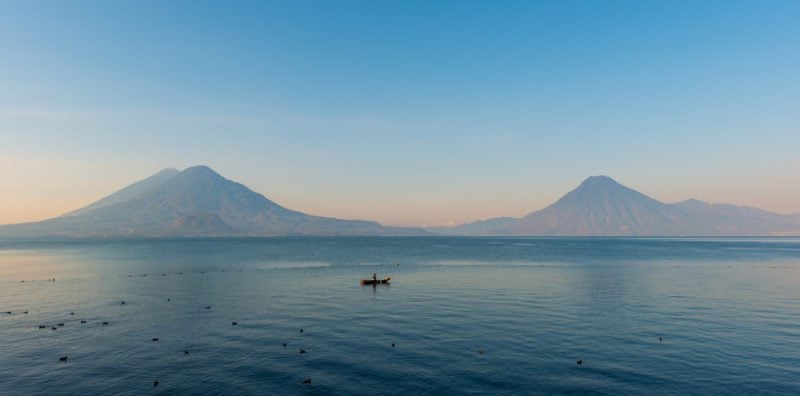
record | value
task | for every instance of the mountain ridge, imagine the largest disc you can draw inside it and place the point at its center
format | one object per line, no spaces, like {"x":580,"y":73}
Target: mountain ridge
{"x":600,"y":206}
{"x":197,"y":201}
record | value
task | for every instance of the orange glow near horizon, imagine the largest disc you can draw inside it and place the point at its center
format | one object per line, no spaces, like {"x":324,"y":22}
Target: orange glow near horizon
{"x":38,"y":195}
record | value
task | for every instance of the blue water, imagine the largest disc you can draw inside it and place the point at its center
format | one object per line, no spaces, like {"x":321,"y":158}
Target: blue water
{"x":727,"y":310}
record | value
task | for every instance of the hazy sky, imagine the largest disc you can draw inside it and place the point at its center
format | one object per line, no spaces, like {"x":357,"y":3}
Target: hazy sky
{"x":408,"y":113}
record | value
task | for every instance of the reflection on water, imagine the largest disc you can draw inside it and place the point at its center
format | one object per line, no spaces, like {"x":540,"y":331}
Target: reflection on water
{"x":29,"y":266}
{"x":726,"y":311}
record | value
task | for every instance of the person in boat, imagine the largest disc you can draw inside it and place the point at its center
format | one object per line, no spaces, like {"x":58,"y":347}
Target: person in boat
{"x":374,"y":277}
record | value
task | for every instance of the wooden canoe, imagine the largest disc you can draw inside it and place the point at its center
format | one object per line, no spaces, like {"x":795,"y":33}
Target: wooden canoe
{"x":383,"y":281}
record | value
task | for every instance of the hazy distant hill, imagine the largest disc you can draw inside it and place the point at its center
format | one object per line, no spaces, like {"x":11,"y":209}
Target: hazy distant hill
{"x":194,"y":202}
{"x":602,"y":207}
{"x":200,"y":202}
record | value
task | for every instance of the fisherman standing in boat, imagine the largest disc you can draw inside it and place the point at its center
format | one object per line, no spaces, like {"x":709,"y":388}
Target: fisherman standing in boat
{"x":374,"y":277}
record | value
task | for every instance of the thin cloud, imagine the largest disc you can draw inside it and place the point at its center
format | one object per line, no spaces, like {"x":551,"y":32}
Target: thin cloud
{"x":51,"y":114}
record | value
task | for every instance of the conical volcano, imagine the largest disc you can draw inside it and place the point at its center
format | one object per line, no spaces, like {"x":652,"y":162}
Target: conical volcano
{"x":195,"y":202}
{"x":600,"y":206}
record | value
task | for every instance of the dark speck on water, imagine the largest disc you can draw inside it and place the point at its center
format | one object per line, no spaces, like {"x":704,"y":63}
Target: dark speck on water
{"x":532,"y":308}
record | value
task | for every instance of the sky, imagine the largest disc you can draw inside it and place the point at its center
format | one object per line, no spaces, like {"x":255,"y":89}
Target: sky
{"x":403,"y":112}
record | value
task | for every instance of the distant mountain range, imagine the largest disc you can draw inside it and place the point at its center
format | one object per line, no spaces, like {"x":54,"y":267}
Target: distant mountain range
{"x":194,"y":202}
{"x":199,"y":202}
{"x":602,"y":207}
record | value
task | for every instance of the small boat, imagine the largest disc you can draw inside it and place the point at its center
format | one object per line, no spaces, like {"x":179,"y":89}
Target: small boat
{"x":384,"y":281}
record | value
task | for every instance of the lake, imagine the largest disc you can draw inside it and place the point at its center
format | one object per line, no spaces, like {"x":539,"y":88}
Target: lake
{"x":461,"y":316}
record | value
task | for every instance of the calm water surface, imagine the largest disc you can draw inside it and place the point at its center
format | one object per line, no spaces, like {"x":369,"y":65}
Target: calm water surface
{"x":727,"y":310}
